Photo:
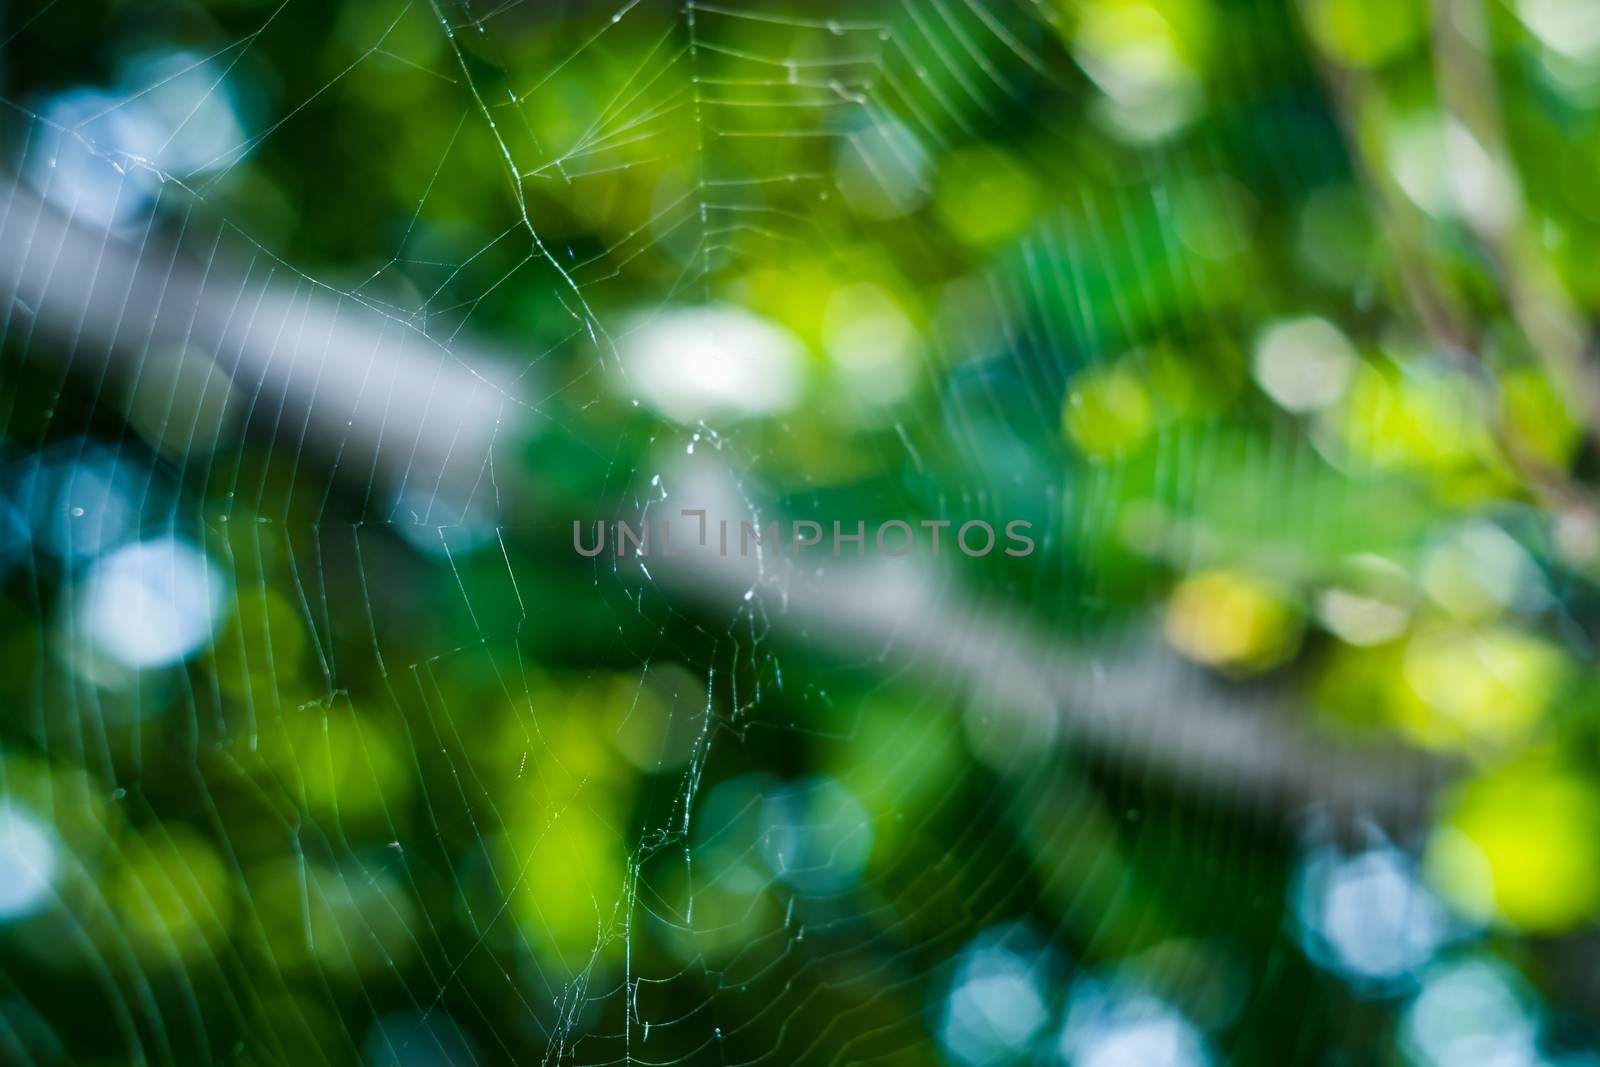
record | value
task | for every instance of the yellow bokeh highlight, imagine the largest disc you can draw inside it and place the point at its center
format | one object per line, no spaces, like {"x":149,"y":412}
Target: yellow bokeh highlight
{"x":337,"y":762}
{"x":1483,"y":685}
{"x":1365,"y":33}
{"x":1137,"y":44}
{"x":258,"y":658}
{"x":1538,"y":417}
{"x":565,"y":874}
{"x":1428,"y":420}
{"x":900,"y":761}
{"x":1521,"y":847}
{"x":562,"y":858}
{"x":1108,"y":411}
{"x":1232,"y":621}
{"x":796,"y":296}
{"x":566,"y":741}
{"x":984,"y":195}
{"x":170,"y":895}
{"x":727,"y":918}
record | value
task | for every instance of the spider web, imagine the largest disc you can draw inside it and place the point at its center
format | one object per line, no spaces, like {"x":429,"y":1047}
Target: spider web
{"x":437,"y":790}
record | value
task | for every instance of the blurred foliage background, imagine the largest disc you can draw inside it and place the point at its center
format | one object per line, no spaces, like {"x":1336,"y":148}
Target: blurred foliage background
{"x":1274,"y":319}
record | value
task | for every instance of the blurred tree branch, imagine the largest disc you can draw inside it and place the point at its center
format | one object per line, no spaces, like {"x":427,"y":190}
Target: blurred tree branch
{"x":368,"y":390}
{"x":1129,"y":703}
{"x":387,"y":406}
